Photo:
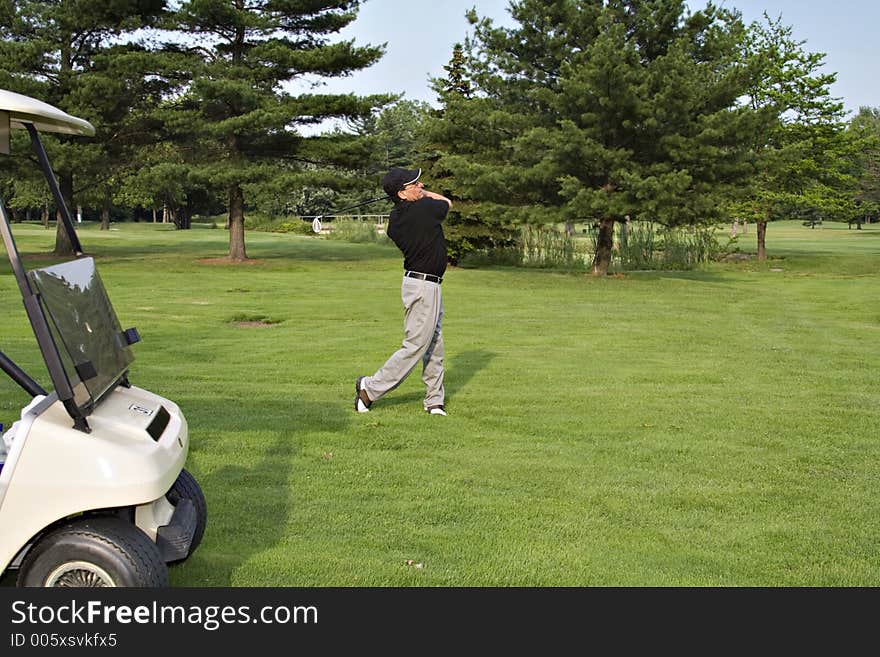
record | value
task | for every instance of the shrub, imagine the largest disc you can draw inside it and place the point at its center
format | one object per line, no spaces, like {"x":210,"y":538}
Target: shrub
{"x":686,"y":248}
{"x":298,"y":227}
{"x":547,"y":248}
{"x":542,"y":247}
{"x":502,"y":256}
{"x":355,"y":230}
{"x":679,"y":249}
{"x":268,"y":223}
{"x":636,"y":245}
{"x":466,"y":236}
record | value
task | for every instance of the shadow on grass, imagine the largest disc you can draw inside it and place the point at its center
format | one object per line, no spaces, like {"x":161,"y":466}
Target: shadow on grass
{"x":249,"y":499}
{"x":463,"y":366}
{"x":460,"y":369}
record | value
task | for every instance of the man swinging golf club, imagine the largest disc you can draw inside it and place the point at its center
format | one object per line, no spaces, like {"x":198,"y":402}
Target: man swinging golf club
{"x":415,"y":226}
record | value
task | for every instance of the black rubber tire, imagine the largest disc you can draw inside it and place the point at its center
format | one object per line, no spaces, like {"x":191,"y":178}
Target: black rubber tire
{"x":186,"y":487}
{"x":94,"y":552}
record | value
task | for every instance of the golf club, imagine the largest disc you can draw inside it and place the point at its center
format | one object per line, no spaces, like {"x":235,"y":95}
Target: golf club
{"x":316,"y":222}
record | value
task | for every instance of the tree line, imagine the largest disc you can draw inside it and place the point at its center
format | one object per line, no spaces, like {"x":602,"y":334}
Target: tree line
{"x":585,"y":111}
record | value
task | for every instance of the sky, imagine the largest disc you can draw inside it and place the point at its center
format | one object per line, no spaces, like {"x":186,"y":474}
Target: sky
{"x":420,"y":35}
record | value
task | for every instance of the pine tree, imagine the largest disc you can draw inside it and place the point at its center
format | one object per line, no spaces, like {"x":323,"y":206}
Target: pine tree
{"x":78,"y":55}
{"x":239,"y":114}
{"x":458,"y":81}
{"x":592,"y":111}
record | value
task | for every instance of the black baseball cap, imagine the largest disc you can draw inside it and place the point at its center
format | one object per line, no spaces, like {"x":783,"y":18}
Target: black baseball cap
{"x":397,"y":179}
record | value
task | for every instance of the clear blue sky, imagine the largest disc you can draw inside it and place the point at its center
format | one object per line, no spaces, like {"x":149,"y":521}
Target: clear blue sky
{"x":420,"y":35}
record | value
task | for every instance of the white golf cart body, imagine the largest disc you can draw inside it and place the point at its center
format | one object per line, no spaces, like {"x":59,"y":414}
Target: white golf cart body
{"x":96,"y":455}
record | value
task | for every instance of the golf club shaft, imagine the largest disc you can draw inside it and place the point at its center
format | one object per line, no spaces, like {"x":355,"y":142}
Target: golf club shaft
{"x":351,"y":207}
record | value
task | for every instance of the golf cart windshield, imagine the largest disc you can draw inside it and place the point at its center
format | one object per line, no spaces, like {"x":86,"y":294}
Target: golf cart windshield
{"x":94,"y":350}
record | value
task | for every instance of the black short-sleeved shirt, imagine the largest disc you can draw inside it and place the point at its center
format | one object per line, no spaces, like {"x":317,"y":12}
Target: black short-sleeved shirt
{"x":416,"y":228}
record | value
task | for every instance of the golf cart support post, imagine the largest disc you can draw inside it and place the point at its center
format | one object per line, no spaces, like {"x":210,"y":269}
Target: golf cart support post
{"x":17,"y":111}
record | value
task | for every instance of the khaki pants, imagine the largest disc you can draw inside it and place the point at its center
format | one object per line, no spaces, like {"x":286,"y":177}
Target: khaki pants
{"x":422,"y":340}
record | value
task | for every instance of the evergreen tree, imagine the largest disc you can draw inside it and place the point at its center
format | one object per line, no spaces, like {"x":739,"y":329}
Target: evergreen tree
{"x":466,"y":230}
{"x":239,"y":116}
{"x":387,"y":138}
{"x":592,"y":111}
{"x":130,"y":85}
{"x":458,"y":81}
{"x":78,"y":55}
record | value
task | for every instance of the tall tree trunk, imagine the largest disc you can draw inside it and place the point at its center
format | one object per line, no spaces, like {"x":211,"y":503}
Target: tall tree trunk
{"x":604,"y":244}
{"x":182,"y":219}
{"x":63,"y":245}
{"x":236,"y":224}
{"x":66,"y":239}
{"x":105,"y":215}
{"x":45,"y":217}
{"x":762,"y":233}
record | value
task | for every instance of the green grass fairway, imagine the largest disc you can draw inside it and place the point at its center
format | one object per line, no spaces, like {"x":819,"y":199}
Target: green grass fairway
{"x":709,"y":428}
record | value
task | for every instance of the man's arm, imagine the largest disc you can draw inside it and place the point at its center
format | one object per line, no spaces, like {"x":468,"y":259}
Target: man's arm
{"x":435,"y":196}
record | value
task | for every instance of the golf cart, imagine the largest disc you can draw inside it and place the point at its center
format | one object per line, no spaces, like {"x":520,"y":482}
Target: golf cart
{"x":93,"y":490}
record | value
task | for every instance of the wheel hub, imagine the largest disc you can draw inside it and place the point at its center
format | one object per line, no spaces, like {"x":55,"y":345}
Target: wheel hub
{"x":79,"y":574}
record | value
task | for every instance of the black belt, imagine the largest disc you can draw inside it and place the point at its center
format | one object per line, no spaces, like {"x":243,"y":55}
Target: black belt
{"x":424,"y":277}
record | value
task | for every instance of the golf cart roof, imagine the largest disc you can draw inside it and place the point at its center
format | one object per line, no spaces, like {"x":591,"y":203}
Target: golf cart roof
{"x":24,"y":109}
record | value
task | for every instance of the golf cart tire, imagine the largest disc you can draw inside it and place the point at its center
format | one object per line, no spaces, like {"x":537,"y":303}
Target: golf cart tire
{"x":94,"y":552}
{"x":187,"y":488}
